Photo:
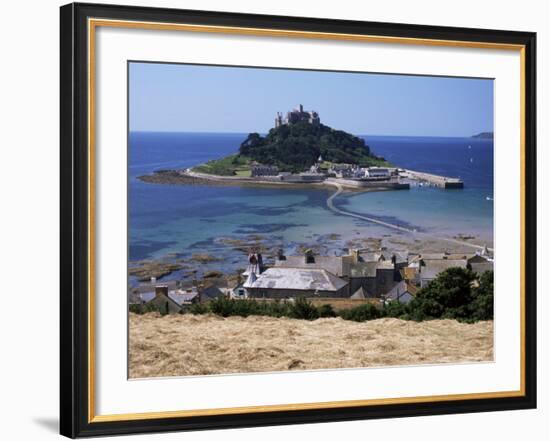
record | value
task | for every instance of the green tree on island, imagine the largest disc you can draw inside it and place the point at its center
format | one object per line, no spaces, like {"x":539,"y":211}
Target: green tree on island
{"x":295,"y":147}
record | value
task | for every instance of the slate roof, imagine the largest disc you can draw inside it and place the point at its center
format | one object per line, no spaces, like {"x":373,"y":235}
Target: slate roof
{"x":364,"y":269}
{"x":373,"y":256}
{"x":178,"y":296}
{"x":408,"y":272}
{"x":134,"y":298}
{"x":210,"y":293}
{"x":150,"y":287}
{"x":361,"y":293}
{"x":332,"y":264}
{"x":298,"y":279}
{"x":481,"y":267}
{"x":434,"y":267}
{"x":181,"y":297}
{"x":401,"y":289}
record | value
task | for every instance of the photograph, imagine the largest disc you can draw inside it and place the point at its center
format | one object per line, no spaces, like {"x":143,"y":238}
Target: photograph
{"x":298,"y":220}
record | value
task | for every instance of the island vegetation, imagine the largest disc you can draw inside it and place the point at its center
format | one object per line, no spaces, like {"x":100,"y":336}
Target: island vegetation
{"x":294,"y":148}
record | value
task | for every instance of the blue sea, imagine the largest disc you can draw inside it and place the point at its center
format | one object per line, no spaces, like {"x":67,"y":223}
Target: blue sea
{"x":176,"y":221}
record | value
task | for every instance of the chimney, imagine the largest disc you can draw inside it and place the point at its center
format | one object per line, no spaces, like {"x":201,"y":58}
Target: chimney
{"x":281,"y":254}
{"x":354,"y":253}
{"x":160,"y":290}
{"x":309,"y":258}
{"x":301,"y":108}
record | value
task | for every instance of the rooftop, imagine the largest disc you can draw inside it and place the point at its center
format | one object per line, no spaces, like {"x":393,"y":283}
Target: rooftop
{"x":298,"y":279}
{"x":332,"y":264}
{"x":434,"y":267}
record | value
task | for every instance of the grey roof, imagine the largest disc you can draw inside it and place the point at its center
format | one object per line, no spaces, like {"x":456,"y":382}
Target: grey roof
{"x":434,"y":267}
{"x":364,"y":269}
{"x":150,"y":287}
{"x":373,"y":256}
{"x":298,"y":279}
{"x":477,"y":258}
{"x":361,"y":293}
{"x":400,"y":290}
{"x":147,"y":296}
{"x":134,"y":298}
{"x":481,"y":267}
{"x":211,"y":292}
{"x":178,"y":296}
{"x":369,"y":269}
{"x":332,"y":264}
{"x":433,"y":256}
{"x":181,"y":297}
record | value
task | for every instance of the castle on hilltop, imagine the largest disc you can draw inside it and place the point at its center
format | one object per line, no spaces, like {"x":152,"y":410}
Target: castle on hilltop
{"x":297,"y":115}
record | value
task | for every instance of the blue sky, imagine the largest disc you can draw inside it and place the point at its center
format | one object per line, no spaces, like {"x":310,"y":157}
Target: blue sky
{"x":186,"y":98}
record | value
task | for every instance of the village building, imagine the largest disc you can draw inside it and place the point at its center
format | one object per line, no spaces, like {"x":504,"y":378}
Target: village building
{"x":259,"y":170}
{"x":164,"y":300}
{"x":337,"y":265}
{"x":403,"y":292}
{"x":434,"y":264}
{"x":389,"y":275}
{"x":209,"y":293}
{"x":361,"y":294}
{"x":282,"y":283}
{"x":375,"y":272}
{"x":169,"y":299}
{"x":432,"y":267}
{"x":377,"y":173}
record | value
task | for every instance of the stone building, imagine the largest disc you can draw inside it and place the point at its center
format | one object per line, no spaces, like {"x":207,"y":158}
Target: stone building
{"x":282,"y":283}
{"x":257,"y":170}
{"x":297,"y":115}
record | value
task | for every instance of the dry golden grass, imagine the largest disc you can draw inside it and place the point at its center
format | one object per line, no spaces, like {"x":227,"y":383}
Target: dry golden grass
{"x":176,"y":345}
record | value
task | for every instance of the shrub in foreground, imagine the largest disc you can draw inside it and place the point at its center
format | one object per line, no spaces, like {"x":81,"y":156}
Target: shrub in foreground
{"x":361,"y":313}
{"x":303,"y":309}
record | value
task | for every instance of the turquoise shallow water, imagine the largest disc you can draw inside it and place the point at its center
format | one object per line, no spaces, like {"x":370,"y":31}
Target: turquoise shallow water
{"x":185,"y":219}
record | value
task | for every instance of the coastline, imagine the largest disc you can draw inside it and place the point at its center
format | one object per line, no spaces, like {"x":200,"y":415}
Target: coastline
{"x":189,"y":177}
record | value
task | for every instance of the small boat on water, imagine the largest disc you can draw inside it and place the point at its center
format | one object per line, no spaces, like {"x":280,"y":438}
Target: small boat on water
{"x":489,"y":198}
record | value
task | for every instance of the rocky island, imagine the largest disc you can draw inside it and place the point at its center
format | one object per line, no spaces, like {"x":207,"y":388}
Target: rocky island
{"x":299,"y":149}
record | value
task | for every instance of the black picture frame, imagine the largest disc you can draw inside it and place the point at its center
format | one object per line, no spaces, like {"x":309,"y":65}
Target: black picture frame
{"x":74,"y":191}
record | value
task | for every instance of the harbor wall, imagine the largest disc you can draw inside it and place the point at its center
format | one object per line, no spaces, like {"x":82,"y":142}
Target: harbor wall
{"x":394,"y":185}
{"x":439,"y":181}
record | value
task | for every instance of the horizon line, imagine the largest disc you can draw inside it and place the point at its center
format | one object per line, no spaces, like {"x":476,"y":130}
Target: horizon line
{"x":261,"y":133}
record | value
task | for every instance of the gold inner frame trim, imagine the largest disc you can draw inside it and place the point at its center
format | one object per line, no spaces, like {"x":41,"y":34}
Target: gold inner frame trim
{"x":92,"y":25}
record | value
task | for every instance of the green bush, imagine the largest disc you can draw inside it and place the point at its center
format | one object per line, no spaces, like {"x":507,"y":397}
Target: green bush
{"x":452,"y":295}
{"x":303,"y":309}
{"x":145,"y":308}
{"x":482,"y":307}
{"x":198,"y":308}
{"x":326,"y":311}
{"x":361,"y":313}
{"x":393,"y":308}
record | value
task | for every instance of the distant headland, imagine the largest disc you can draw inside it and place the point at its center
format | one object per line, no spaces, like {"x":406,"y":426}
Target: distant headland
{"x":484,"y":135}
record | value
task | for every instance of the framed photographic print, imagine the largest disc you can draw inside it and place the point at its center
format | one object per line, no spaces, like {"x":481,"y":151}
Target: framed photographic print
{"x":274,"y":220}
